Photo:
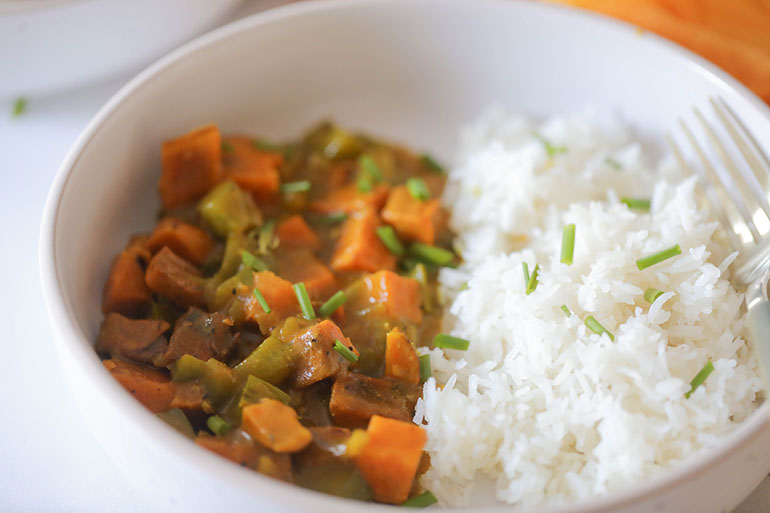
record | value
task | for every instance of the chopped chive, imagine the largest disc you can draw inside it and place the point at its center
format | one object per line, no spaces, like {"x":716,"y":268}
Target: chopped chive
{"x":388,"y":237}
{"x":304,"y":301}
{"x":568,"y":244}
{"x":418,"y":189}
{"x":566,"y":310}
{"x":19,"y":107}
{"x":425,"y":370}
{"x":525,"y":271}
{"x":253,"y":262}
{"x":613,"y":163}
{"x":594,"y":325}
{"x":346,"y":352}
{"x":700,"y":378}
{"x":431,"y":164}
{"x":644,"y":263}
{"x":367,"y":164}
{"x":637,"y":203}
{"x":294,"y":187}
{"x":423,"y":500}
{"x":218,"y":425}
{"x":335,"y":218}
{"x":431,"y":254}
{"x":650,"y":295}
{"x":227,"y":147}
{"x":364,"y":183}
{"x":265,"y":146}
{"x":267,"y":239}
{"x":550,"y":149}
{"x":262,"y":301}
{"x":449,"y":342}
{"x":532,"y":283}
{"x":332,"y":304}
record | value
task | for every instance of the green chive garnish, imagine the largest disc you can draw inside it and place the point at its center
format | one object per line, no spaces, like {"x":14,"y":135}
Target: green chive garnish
{"x":650,"y":295}
{"x":449,"y":342}
{"x":644,"y":263}
{"x":425,"y":370}
{"x":532,"y":283}
{"x":431,"y":254}
{"x":346,"y":352}
{"x":637,"y":203}
{"x":389,"y":237}
{"x":19,"y":107}
{"x":335,"y":218}
{"x":613,"y":163}
{"x":332,"y":304}
{"x":594,"y":325}
{"x":262,"y":301}
{"x":294,"y":187}
{"x":266,"y":146}
{"x":700,"y":378}
{"x":253,"y":262}
{"x":525,"y":271}
{"x":423,"y":500}
{"x":550,"y":149}
{"x":227,"y":147}
{"x":364,"y":183}
{"x":431,"y":164}
{"x":367,"y":164}
{"x":218,"y":425}
{"x":304,"y":301}
{"x":418,"y":189}
{"x":568,"y":244}
{"x":566,"y":310}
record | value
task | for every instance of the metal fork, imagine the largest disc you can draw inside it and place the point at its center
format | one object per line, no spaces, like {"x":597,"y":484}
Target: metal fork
{"x":737,"y":184}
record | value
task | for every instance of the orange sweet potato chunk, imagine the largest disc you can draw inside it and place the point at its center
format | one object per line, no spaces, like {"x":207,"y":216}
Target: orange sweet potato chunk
{"x":176,"y":279}
{"x":294,"y":232}
{"x":390,"y":457}
{"x":302,"y":266}
{"x":413,"y":220}
{"x":359,"y":248}
{"x":126,"y":291}
{"x":151,"y":387}
{"x":186,"y":240}
{"x":191,"y":166}
{"x":252,"y":169}
{"x":278,"y":294}
{"x":275,"y":425}
{"x":401,"y":361}
{"x":349,"y":199}
{"x":399,"y":295}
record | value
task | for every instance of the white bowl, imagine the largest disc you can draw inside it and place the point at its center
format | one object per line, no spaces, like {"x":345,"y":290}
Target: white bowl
{"x":48,"y":45}
{"x":410,"y":71}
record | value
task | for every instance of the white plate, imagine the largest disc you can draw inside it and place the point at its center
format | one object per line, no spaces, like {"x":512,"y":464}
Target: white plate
{"x":412,"y":71}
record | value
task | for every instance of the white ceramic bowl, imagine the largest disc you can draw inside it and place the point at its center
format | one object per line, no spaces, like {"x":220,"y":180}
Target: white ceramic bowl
{"x":410,"y":71}
{"x":48,"y":45}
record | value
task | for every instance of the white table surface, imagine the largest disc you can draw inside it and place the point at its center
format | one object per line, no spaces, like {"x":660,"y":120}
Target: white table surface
{"x":49,"y":461}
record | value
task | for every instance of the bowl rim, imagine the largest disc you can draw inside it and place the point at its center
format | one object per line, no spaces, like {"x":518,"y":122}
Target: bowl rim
{"x":69,"y":339}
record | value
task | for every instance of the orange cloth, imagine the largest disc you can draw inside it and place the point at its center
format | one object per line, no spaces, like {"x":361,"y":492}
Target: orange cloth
{"x":733,"y":34}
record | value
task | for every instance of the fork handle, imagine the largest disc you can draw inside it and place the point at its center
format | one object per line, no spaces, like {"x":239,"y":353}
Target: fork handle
{"x":758,"y":324}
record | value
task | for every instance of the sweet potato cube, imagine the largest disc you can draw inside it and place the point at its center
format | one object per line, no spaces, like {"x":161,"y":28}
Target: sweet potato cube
{"x":413,"y":220}
{"x":275,"y":425}
{"x":142,"y":340}
{"x":349,"y":199}
{"x":186,"y":240}
{"x":151,"y":387}
{"x":390,"y":457}
{"x":244,"y":452}
{"x":176,"y":279}
{"x":316,"y":357}
{"x":278,"y":294}
{"x":126,"y":291}
{"x":294,"y":232}
{"x":359,"y":248}
{"x":401,"y":361}
{"x":191,"y":166}
{"x":398,"y":294}
{"x":302,"y":266}
{"x":252,"y":169}
{"x":356,"y":397}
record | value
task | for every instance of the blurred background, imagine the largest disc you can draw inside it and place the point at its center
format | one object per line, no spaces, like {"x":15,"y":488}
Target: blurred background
{"x":60,"y":60}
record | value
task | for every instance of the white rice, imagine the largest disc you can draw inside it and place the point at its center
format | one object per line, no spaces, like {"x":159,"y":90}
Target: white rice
{"x":547,"y":409}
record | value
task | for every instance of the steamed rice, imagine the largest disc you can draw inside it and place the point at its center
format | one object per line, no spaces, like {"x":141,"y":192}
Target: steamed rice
{"x":547,"y":409}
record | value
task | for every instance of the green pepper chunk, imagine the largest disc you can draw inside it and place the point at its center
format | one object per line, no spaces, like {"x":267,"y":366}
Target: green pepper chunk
{"x":178,"y":420}
{"x":187,"y":368}
{"x":257,"y":389}
{"x":226,"y":208}
{"x":271,"y":361}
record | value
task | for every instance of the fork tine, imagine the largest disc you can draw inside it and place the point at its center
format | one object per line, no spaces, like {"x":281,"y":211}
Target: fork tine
{"x":727,"y":181}
{"x":711,"y":196}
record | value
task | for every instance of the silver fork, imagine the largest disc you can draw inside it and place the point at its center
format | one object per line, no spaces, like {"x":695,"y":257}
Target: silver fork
{"x":736,"y":184}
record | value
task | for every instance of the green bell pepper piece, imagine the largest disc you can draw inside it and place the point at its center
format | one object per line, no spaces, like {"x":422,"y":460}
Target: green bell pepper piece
{"x":226,"y":208}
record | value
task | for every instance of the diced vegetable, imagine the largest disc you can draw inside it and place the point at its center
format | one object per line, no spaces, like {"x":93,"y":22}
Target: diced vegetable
{"x":594,"y":325}
{"x":295,"y":187}
{"x":700,"y":378}
{"x":350,"y":199}
{"x":252,"y":262}
{"x":278,"y":293}
{"x":177,"y":420}
{"x":401,"y":361}
{"x":176,"y":279}
{"x":315,"y":357}
{"x":255,"y":389}
{"x":425,"y":370}
{"x":423,"y":500}
{"x":368,"y":166}
{"x":151,"y":387}
{"x":656,"y":258}
{"x":275,"y":425}
{"x":301,"y":266}
{"x":241,"y":450}
{"x":218,"y":425}
{"x":414,"y":219}
{"x":399,"y":296}
{"x":294,"y":232}
{"x":390,"y":458}
{"x":272,"y":361}
{"x":185,"y":240}
{"x":227,"y":209}
{"x":126,"y":291}
{"x":568,"y":244}
{"x":202,"y":335}
{"x":355,"y":398}
{"x":253,"y":169}
{"x":445,"y":341}
{"x":359,"y":248}
{"x":138,"y":339}
{"x":186,"y":368}
{"x":191,"y":166}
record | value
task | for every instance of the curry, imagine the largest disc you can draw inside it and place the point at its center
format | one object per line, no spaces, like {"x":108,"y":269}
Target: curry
{"x":274,"y":312}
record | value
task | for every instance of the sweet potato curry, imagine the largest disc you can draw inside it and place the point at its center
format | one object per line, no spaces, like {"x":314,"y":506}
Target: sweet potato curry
{"x":274,"y":312}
